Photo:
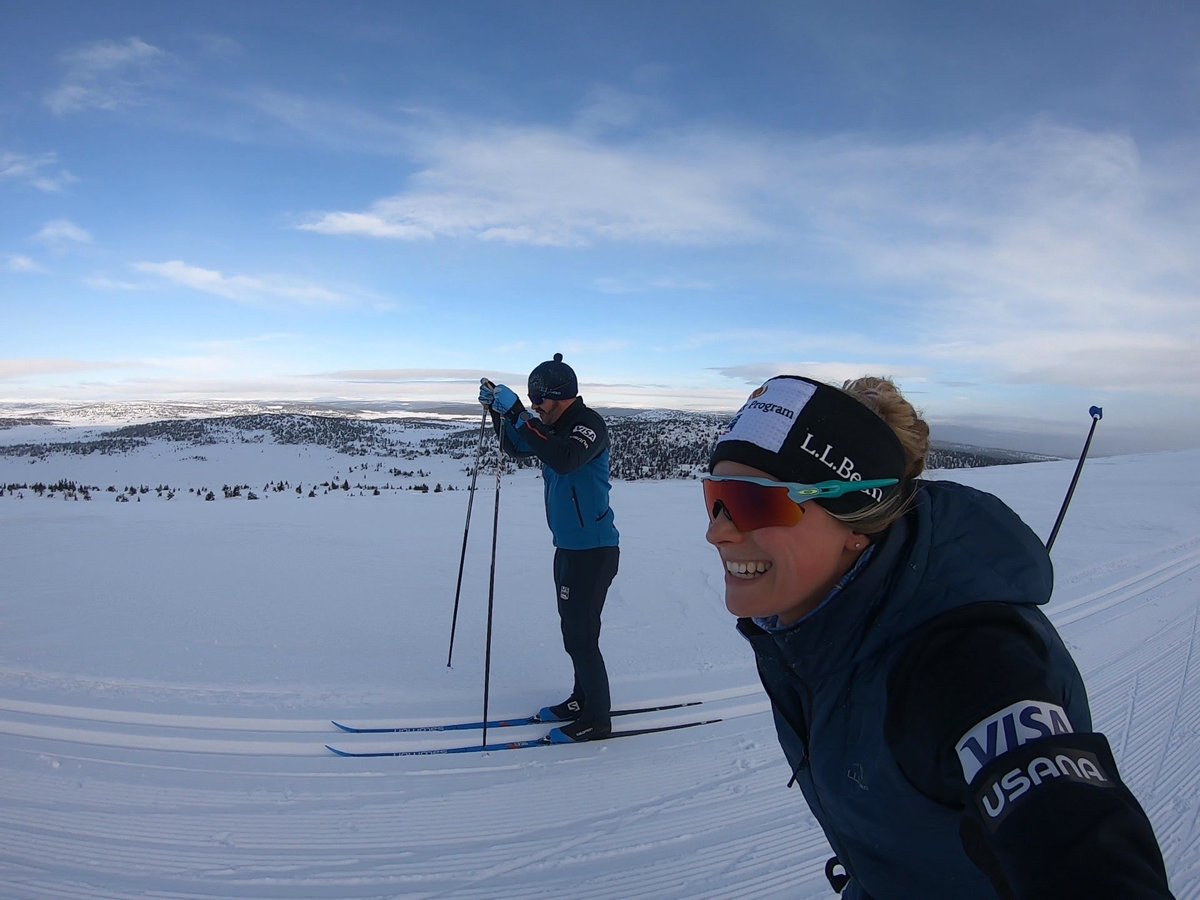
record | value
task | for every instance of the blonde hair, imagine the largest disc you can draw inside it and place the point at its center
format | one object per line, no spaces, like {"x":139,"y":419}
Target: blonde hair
{"x":881,"y":396}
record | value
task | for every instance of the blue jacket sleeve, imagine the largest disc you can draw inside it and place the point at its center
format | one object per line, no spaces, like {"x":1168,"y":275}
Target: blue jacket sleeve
{"x":512,"y":441}
{"x":579,"y":443}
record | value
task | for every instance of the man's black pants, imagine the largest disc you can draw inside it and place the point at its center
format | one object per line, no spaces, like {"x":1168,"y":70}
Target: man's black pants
{"x":581,"y":579}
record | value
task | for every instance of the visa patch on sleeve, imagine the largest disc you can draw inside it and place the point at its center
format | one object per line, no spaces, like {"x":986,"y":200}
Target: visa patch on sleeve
{"x":584,"y":435}
{"x":1006,"y":730}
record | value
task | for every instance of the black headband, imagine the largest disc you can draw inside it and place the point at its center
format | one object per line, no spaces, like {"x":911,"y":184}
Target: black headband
{"x":797,"y":429}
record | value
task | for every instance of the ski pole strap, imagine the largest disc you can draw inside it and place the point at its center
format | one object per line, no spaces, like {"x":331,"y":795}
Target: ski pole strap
{"x":837,"y":880}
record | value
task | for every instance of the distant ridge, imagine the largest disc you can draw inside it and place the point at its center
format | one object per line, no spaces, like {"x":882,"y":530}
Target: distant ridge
{"x":646,"y":444}
{"x":140,"y":412}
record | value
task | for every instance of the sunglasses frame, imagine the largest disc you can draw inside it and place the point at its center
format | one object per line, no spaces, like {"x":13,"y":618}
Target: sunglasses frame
{"x":802,"y":493}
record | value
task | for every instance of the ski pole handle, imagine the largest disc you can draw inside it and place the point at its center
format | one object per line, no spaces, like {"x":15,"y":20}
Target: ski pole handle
{"x":486,"y":383}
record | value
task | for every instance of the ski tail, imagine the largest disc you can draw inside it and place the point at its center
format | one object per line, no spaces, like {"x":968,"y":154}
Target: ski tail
{"x":498,"y":723}
{"x":514,"y":745}
{"x":629,"y":732}
{"x":449,"y":726}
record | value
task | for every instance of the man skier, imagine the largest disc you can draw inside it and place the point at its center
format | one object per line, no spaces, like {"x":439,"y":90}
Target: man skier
{"x":571,"y":441}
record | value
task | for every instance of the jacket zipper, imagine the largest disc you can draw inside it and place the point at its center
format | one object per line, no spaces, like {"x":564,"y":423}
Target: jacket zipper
{"x":578,"y":511}
{"x":843,"y":860}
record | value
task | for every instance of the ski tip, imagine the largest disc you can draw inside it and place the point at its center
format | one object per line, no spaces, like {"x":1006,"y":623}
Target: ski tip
{"x":349,"y":728}
{"x":337,"y":751}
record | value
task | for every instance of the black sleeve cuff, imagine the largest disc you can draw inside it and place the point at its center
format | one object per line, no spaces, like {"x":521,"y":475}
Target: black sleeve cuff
{"x":1052,"y":818}
{"x":514,"y":413}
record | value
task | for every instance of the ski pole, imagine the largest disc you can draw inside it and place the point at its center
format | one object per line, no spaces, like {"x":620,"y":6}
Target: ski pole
{"x":1097,"y":414}
{"x":487,"y":659}
{"x":466,"y":528}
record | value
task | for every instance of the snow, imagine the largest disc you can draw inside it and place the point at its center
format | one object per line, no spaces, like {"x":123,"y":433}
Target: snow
{"x":168,"y":670}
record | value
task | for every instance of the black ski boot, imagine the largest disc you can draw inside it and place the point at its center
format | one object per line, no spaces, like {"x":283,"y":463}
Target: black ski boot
{"x":578,"y":732}
{"x":567,"y":711}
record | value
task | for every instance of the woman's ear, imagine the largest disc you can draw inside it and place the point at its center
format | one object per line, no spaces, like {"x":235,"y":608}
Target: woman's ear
{"x":856,"y":542}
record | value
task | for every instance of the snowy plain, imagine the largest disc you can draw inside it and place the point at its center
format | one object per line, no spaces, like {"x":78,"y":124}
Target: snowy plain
{"x":169,"y":669}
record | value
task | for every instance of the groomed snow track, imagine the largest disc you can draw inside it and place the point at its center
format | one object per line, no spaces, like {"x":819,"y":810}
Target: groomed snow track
{"x":106,"y":803}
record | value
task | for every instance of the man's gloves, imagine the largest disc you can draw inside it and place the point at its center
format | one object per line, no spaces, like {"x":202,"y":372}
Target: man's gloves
{"x":504,"y":400}
{"x":501,"y":399}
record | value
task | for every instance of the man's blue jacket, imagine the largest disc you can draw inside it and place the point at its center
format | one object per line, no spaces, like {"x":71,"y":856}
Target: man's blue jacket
{"x":575,"y":472}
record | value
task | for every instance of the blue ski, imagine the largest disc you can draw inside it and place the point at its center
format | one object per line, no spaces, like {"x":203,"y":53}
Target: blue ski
{"x":511,"y":745}
{"x":498,"y":723}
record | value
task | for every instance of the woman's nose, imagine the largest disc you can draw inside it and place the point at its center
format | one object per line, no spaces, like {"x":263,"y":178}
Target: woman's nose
{"x":720,"y":526}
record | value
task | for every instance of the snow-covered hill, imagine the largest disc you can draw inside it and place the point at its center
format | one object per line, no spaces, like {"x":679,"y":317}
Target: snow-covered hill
{"x":168,"y":669}
{"x":128,"y":412}
{"x":371,"y":454}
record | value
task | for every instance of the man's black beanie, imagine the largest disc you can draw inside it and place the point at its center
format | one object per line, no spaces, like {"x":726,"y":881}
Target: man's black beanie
{"x":554,"y":380}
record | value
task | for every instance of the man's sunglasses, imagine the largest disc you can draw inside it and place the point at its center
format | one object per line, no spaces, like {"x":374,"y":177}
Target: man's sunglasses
{"x":753,"y":503}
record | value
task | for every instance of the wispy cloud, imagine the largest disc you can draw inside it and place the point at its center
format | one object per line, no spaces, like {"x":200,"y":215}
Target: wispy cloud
{"x":608,"y":110}
{"x":755,"y":374}
{"x":1048,"y":255}
{"x":61,"y":233}
{"x":327,"y":123}
{"x":42,"y":172}
{"x":814,"y":342}
{"x":222,"y":46}
{"x":253,"y":341}
{"x":12,"y":369}
{"x":976,"y":244}
{"x":546,"y":187}
{"x":105,"y":75}
{"x":402,"y":376}
{"x":104,"y":283}
{"x":1105,"y":361}
{"x":1049,"y":219}
{"x":23,"y":264}
{"x":244,"y":288}
{"x":1051,"y":250}
{"x":611,"y":285}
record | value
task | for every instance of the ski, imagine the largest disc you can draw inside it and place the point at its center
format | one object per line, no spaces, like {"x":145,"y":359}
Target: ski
{"x":513,"y":745}
{"x":499,"y":723}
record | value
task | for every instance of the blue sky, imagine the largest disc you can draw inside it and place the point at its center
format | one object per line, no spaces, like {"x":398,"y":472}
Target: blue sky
{"x":996,"y":204}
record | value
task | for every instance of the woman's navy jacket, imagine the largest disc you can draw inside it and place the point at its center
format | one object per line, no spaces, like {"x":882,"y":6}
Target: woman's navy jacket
{"x":873,"y":692}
